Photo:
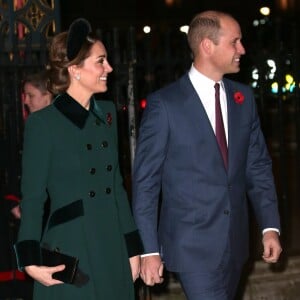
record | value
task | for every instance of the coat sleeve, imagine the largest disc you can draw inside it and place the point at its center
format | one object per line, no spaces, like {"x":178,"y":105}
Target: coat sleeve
{"x":35,"y":164}
{"x":150,"y":154}
{"x":260,"y":182}
{"x":131,"y":234}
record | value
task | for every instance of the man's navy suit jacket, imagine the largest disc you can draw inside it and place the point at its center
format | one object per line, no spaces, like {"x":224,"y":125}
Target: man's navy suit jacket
{"x":204,"y":208}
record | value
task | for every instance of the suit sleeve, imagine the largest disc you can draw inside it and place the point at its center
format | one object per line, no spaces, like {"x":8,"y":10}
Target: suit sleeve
{"x":260,"y":181}
{"x":35,"y":164}
{"x":148,"y":168}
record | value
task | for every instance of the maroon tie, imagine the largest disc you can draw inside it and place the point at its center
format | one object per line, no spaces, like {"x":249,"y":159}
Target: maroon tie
{"x":220,"y":131}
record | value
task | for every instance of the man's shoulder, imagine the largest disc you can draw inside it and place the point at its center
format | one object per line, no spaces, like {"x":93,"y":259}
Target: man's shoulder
{"x":171,"y":88}
{"x":236,"y":85}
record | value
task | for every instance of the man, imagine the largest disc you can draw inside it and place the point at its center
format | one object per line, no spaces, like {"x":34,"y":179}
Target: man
{"x":203,"y":229}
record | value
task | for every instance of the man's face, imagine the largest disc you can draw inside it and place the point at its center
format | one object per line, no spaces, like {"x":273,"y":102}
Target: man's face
{"x":227,"y":53}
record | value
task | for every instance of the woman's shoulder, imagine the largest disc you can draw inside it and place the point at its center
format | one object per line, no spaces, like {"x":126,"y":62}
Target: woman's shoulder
{"x":106,"y":104}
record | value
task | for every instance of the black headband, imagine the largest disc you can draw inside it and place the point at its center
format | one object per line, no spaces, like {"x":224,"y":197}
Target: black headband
{"x":77,"y":35}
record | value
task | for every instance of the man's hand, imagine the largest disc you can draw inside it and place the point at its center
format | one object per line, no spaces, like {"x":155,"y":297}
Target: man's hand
{"x":44,"y":274}
{"x":135,"y":267}
{"x":152,"y":269}
{"x":272,"y":247}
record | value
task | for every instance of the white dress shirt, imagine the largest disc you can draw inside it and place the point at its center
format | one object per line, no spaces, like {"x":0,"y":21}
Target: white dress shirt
{"x":207,"y":97}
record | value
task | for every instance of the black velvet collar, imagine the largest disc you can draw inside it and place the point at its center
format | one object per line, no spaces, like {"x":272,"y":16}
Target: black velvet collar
{"x":72,"y":110}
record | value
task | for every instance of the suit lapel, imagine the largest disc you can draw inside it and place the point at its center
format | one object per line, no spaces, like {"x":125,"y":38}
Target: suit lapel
{"x":195,"y":110}
{"x":233,"y":115}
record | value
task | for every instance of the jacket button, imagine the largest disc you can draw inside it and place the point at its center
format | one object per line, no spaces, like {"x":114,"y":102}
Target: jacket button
{"x":88,"y":146}
{"x":108,"y":190}
{"x":229,"y":187}
{"x":97,"y":122}
{"x":104,"y":144}
{"x":226,"y":212}
{"x":92,"y":194}
{"x":92,"y":171}
{"x":109,"y":168}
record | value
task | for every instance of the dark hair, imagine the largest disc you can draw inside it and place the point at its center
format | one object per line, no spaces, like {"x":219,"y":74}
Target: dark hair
{"x":59,"y":62}
{"x":39,"y":80}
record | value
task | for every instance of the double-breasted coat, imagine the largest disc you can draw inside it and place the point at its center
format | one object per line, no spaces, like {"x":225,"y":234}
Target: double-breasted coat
{"x":71,"y":155}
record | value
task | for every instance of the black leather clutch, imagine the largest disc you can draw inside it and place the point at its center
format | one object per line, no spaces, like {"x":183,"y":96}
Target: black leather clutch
{"x":53,"y":258}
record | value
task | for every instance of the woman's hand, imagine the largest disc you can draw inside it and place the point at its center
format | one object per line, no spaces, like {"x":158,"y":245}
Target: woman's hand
{"x":44,"y":274}
{"x":135,"y":262}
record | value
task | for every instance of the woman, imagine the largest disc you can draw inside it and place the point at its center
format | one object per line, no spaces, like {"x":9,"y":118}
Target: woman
{"x":70,"y":153}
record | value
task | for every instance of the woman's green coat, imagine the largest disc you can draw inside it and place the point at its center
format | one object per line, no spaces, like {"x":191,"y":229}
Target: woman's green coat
{"x":71,"y":154}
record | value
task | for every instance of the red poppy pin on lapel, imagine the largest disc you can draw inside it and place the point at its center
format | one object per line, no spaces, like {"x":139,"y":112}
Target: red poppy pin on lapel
{"x":239,"y":97}
{"x":109,"y":118}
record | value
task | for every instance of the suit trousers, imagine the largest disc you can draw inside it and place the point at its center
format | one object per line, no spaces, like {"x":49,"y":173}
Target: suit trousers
{"x":219,"y":284}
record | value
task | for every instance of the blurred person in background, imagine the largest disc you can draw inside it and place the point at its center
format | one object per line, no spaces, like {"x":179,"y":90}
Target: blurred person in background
{"x":13,"y":283}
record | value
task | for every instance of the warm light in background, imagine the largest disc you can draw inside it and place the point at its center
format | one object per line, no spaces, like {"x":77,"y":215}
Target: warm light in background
{"x":143,"y":103}
{"x":169,"y":2}
{"x":265,"y":11}
{"x":147,"y":29}
{"x":184,"y":28}
{"x":274,"y":87}
{"x":173,"y":2}
{"x":290,"y":83}
{"x":286,"y":87}
{"x":283,"y":4}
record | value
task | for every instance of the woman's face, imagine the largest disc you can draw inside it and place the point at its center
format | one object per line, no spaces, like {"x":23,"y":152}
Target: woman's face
{"x":34,"y":98}
{"x":94,"y":70}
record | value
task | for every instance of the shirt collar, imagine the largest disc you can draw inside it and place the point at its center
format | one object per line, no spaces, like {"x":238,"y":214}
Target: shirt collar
{"x":77,"y":114}
{"x":199,"y":80}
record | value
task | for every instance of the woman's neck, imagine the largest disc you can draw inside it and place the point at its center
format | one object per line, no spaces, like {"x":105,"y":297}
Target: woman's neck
{"x":80,"y":96}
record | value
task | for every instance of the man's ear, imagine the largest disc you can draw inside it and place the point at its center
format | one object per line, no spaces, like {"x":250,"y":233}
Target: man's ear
{"x":206,"y":46}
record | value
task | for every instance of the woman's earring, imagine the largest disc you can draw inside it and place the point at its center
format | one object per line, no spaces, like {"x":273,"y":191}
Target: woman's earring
{"x":77,"y":76}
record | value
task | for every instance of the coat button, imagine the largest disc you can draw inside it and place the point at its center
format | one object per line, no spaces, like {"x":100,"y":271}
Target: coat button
{"x":92,"y":171}
{"x":109,"y":168}
{"x":97,"y":122}
{"x":88,"y":146}
{"x":108,"y":190}
{"x":104,"y":144}
{"x":92,"y":194}
{"x":226,"y":212}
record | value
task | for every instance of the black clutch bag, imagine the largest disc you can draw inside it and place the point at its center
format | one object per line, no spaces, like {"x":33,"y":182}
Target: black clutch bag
{"x":53,"y":258}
